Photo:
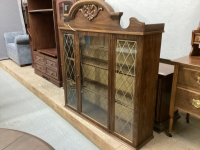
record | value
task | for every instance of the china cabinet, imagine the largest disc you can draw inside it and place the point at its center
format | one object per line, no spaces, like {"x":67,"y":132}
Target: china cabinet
{"x":110,"y":73}
{"x":186,"y":89}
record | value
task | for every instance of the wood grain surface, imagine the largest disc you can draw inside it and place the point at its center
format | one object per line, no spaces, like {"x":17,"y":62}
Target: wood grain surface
{"x":16,"y":140}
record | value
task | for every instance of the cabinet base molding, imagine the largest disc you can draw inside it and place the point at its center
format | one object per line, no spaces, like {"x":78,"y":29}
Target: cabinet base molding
{"x":43,"y":75}
{"x":161,"y":126}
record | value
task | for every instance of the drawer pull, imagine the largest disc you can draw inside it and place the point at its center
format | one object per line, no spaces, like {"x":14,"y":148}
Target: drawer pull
{"x":198,"y":80}
{"x":196,"y":103}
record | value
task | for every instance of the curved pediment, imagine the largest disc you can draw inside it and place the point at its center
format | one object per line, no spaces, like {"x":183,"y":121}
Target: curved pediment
{"x":99,"y":15}
{"x":86,"y":6}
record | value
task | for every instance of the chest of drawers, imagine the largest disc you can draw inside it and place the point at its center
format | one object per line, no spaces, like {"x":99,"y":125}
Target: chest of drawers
{"x":47,"y":67}
{"x":186,"y":87}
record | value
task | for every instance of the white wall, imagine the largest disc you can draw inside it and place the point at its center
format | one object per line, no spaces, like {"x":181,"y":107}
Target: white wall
{"x":180,"y":18}
{"x":9,"y":21}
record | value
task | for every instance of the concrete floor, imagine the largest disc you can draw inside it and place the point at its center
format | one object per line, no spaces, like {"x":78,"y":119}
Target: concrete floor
{"x":21,"y":110}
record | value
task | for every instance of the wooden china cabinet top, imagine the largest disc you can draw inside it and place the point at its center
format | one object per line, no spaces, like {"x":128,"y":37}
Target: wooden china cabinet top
{"x":99,"y":16}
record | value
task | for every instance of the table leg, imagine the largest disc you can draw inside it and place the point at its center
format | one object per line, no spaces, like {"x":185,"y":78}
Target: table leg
{"x":188,"y":118}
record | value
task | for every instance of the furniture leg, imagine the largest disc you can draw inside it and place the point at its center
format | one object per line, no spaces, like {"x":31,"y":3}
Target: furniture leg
{"x":170,"y":125}
{"x":188,"y":117}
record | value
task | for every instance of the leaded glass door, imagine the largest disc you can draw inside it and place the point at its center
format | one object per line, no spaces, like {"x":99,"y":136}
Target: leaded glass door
{"x":92,"y":65}
{"x":70,"y":70}
{"x":125,"y":79}
{"x":94,"y":54}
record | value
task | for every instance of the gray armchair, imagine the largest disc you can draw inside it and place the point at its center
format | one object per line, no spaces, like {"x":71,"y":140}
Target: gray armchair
{"x":18,"y":47}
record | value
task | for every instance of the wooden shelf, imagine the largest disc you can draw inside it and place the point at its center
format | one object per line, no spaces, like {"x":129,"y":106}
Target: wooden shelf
{"x":196,"y":42}
{"x":106,"y":86}
{"x":49,"y":51}
{"x":104,"y":61}
{"x":96,"y":66}
{"x":41,"y":10}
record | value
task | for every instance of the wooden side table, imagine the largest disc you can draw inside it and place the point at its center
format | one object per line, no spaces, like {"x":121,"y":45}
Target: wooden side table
{"x":186,"y":88}
{"x":165,"y":77}
{"x":16,"y":140}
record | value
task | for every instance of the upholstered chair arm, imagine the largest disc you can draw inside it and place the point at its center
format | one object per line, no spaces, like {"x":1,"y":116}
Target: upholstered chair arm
{"x":22,"y":39}
{"x":10,"y":36}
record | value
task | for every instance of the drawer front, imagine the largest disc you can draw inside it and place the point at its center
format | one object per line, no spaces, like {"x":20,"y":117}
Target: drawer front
{"x":197,"y":38}
{"x":53,"y":74}
{"x":51,"y":64}
{"x":188,"y":101}
{"x":40,"y":68}
{"x":189,"y":78}
{"x":39,"y":59}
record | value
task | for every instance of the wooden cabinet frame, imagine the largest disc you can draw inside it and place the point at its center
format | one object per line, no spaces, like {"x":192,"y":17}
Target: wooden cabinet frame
{"x":148,"y":37}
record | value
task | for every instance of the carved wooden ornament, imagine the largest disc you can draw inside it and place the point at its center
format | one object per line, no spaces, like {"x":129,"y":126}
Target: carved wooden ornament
{"x":90,"y":11}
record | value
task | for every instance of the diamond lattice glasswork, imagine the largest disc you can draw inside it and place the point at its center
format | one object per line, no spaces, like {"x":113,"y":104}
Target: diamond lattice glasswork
{"x":125,"y":87}
{"x":70,"y":69}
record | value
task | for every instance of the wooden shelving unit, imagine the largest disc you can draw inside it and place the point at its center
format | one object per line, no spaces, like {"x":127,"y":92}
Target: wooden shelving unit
{"x":44,"y":34}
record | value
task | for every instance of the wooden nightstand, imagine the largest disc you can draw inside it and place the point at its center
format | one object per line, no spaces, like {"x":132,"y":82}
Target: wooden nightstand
{"x":186,"y":83}
{"x":186,"y":87}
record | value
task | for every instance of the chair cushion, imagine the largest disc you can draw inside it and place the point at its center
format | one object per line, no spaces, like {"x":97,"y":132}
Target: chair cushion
{"x":11,"y":46}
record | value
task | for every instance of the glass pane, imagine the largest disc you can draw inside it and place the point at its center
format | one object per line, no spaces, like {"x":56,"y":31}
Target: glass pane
{"x":64,"y":8}
{"x":94,"y":78}
{"x":70,"y":69}
{"x":125,"y":87}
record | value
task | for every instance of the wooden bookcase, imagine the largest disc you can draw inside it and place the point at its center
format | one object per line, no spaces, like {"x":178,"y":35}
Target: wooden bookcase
{"x":45,"y":48}
{"x":110,"y":74}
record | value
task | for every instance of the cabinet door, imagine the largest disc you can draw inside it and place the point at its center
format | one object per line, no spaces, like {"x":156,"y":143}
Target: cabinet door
{"x":125,"y":71}
{"x":94,"y":53}
{"x":70,"y":70}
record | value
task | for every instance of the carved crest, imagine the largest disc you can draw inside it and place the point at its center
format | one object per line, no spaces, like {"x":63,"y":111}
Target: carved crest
{"x":90,"y":11}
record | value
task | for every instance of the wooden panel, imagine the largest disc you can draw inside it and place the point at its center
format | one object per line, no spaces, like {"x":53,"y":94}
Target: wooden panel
{"x":52,"y":73}
{"x":17,"y":140}
{"x":57,"y":41}
{"x":106,"y":19}
{"x":146,"y":85}
{"x":39,"y":59}
{"x":28,"y":142}
{"x":51,"y":51}
{"x":42,"y":30}
{"x":51,"y":64}
{"x":49,"y":78}
{"x":163,"y":99}
{"x":188,"y":60}
{"x":189,"y":78}
{"x":40,"y":67}
{"x":184,"y":101}
{"x":197,"y":38}
{"x":8,"y":136}
{"x":38,"y":4}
